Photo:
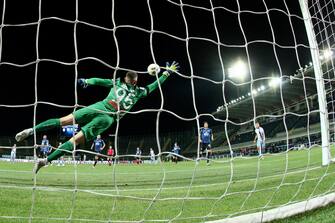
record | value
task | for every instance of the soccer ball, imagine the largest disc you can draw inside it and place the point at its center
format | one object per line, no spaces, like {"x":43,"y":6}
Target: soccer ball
{"x":153,"y":69}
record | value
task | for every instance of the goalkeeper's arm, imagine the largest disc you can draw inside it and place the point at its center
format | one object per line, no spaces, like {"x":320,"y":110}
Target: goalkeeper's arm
{"x":95,"y":81}
{"x":169,"y":69}
{"x":153,"y":86}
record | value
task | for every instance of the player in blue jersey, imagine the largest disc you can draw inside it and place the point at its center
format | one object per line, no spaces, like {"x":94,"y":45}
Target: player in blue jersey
{"x":98,"y":145}
{"x":45,"y":147}
{"x":176,"y":150}
{"x":206,"y":138}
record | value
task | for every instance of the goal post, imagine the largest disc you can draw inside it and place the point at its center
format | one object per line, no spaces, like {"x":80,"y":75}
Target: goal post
{"x":321,"y":92}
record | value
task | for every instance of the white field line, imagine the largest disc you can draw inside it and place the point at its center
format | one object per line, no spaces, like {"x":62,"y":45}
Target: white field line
{"x":153,"y":189}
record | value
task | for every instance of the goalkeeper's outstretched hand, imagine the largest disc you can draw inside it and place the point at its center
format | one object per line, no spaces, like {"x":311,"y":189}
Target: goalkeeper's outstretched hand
{"x":174,"y":67}
{"x":82,"y":82}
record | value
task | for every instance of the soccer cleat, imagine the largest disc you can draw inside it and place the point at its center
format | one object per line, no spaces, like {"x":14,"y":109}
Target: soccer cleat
{"x":23,"y":134}
{"x":39,"y":164}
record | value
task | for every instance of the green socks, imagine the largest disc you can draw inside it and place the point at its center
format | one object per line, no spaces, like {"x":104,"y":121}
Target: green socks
{"x":60,"y":151}
{"x":48,"y":124}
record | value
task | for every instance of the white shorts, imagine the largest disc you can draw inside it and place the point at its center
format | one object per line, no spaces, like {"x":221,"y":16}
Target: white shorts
{"x":260,"y":144}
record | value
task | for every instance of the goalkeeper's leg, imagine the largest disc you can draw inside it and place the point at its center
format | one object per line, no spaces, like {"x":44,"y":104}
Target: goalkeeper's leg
{"x":46,"y":125}
{"x":88,"y":132}
{"x":60,"y":151}
{"x":81,"y":116}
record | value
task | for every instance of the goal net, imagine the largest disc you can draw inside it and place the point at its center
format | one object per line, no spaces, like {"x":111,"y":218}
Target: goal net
{"x":243,"y":66}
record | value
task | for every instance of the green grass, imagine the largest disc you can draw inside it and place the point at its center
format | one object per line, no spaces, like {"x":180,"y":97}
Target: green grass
{"x":126,"y":192}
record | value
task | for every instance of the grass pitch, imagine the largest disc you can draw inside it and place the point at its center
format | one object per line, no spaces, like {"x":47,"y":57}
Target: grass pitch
{"x":183,"y":192}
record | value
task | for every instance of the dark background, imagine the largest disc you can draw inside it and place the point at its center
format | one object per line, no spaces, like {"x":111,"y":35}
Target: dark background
{"x":52,"y":38}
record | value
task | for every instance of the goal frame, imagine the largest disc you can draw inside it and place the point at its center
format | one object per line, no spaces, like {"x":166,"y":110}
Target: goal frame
{"x":321,"y":92}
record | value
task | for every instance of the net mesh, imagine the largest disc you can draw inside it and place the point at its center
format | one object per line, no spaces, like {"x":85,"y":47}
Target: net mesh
{"x":282,"y":96}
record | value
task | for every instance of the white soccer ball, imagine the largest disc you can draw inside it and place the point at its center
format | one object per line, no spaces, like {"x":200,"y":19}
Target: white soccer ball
{"x":153,"y":69}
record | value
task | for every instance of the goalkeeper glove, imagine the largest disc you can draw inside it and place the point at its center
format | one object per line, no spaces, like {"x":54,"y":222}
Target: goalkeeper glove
{"x":169,"y":69}
{"x":82,"y":82}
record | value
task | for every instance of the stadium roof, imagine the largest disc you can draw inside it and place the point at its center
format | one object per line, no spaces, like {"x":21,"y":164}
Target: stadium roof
{"x":269,"y":100}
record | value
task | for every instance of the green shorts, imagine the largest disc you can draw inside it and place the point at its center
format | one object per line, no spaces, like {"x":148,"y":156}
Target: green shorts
{"x":94,"y":120}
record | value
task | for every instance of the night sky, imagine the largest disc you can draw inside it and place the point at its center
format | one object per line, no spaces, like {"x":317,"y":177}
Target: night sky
{"x":97,"y":48}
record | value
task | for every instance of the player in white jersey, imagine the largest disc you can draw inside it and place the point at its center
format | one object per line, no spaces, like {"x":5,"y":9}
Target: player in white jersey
{"x":13,"y":153}
{"x":152,"y":155}
{"x":260,"y":137}
{"x":138,"y":155}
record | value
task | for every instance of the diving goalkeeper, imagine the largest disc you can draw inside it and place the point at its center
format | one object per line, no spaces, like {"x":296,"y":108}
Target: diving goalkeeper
{"x":98,"y":117}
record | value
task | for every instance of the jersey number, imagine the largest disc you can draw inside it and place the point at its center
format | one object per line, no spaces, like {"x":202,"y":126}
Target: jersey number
{"x":125,"y":100}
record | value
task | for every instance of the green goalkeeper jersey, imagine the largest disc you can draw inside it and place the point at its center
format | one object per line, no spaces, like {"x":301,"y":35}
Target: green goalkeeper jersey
{"x":124,"y":96}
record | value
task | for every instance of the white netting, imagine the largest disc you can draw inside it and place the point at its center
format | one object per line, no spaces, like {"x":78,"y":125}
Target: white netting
{"x":273,"y":82}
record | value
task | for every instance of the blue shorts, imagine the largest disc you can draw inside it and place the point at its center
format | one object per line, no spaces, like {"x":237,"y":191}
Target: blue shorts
{"x":260,"y":144}
{"x":205,"y":146}
{"x":44,"y":152}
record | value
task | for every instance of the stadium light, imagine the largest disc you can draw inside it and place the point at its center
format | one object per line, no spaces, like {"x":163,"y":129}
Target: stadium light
{"x":238,"y":71}
{"x":310,"y":64}
{"x":328,"y":54}
{"x":262,"y":88}
{"x":254,"y":92}
{"x":275,"y":82}
{"x":249,"y":94}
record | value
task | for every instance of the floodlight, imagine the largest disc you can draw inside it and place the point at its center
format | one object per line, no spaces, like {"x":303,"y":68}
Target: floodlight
{"x":238,"y":71}
{"x":275,"y":82}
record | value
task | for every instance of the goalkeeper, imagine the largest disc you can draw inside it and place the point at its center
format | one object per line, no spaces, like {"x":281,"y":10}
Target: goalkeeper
{"x":98,"y":117}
